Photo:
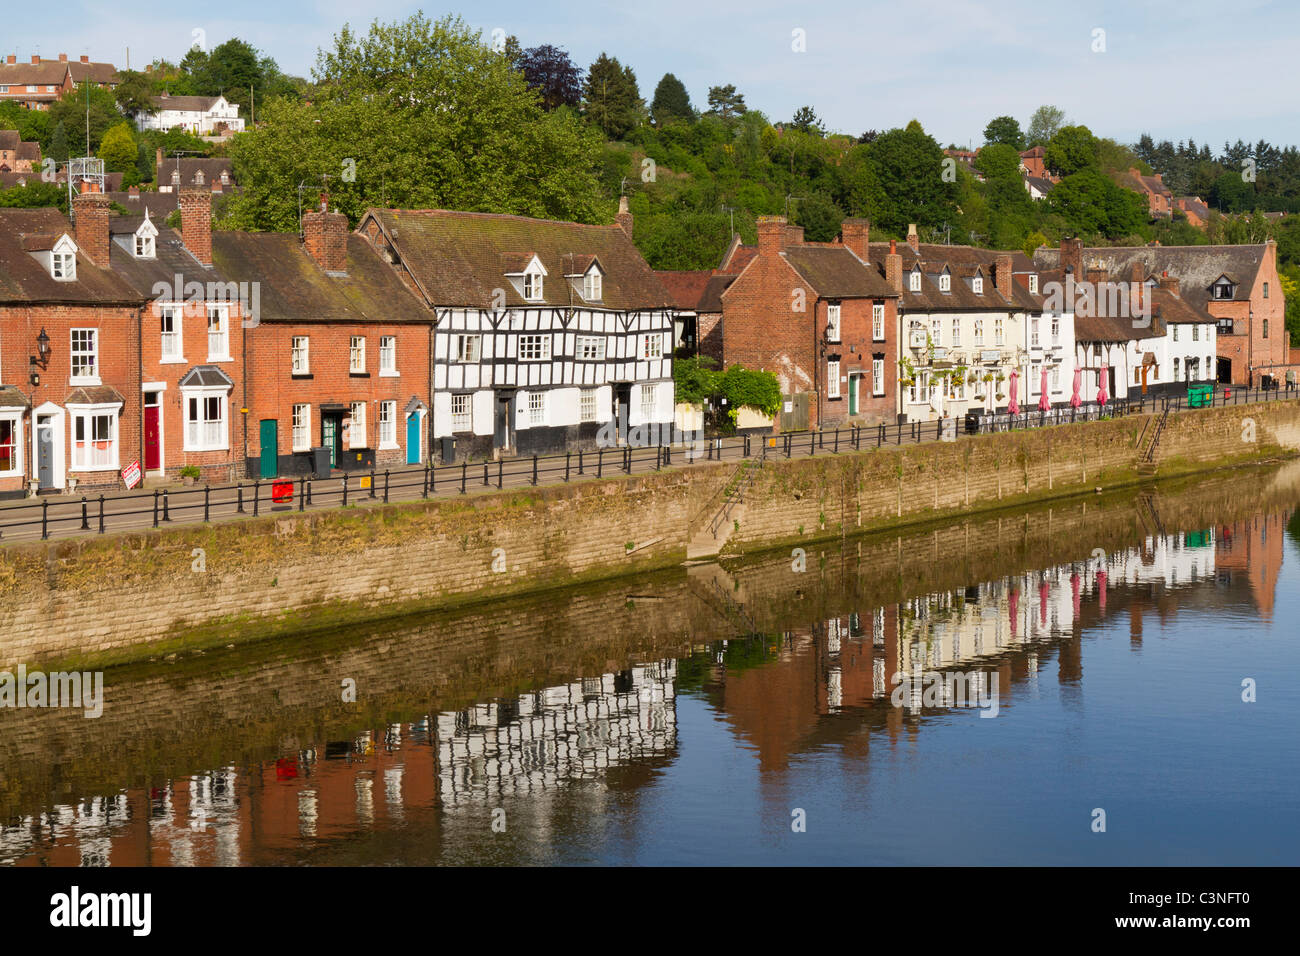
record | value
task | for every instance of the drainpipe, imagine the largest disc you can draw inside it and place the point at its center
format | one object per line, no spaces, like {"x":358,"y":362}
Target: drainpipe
{"x":817,"y":360}
{"x":243,"y":415}
{"x":139,"y":386}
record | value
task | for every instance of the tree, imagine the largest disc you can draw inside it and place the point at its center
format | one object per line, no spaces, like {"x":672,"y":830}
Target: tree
{"x":819,"y":217}
{"x":1004,"y":130}
{"x":58,"y":150}
{"x":805,"y":121}
{"x":1091,"y":203}
{"x":552,"y":74}
{"x":118,"y":149}
{"x":1073,"y":149}
{"x":611,"y":99}
{"x":1044,"y":124}
{"x":907,"y":167}
{"x":1231,"y":193}
{"x":134,"y":92}
{"x":463,"y":132}
{"x":70,"y":109}
{"x":671,"y":101}
{"x":725,"y":102}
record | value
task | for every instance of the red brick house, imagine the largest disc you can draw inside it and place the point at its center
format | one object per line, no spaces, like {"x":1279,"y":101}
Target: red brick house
{"x":338,"y":354}
{"x":697,"y":327}
{"x":38,"y":83}
{"x":1160,"y":200}
{"x":1195,"y":209}
{"x":822,"y":318}
{"x":72,"y":418}
{"x":192,"y":342}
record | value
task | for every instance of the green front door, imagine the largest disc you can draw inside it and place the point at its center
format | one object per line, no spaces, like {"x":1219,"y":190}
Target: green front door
{"x":270,"y":441}
{"x":329,"y":431}
{"x":853,"y":393}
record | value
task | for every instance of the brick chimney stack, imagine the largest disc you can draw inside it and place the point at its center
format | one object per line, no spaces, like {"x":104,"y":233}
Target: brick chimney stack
{"x":624,"y":217}
{"x":854,"y":233}
{"x":1169,"y":283}
{"x":771,"y":235}
{"x":325,"y":235}
{"x":1002,"y":275}
{"x":1072,"y":257}
{"x":894,"y":267}
{"x":913,"y":239}
{"x":85,"y":58}
{"x":63,"y":58}
{"x":90,"y":210}
{"x":196,"y":220}
{"x":11,"y":59}
{"x":36,"y":59}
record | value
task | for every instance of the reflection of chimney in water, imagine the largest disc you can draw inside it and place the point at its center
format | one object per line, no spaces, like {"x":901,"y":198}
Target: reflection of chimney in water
{"x":1134,"y":625}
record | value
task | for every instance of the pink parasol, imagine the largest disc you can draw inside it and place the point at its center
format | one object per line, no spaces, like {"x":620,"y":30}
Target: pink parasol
{"x":1044,"y":403}
{"x":1014,"y":407}
{"x":1101,"y":589}
{"x":1075,"y":400}
{"x":1013,"y":599}
{"x":1101,"y":386}
{"x":1042,"y":603}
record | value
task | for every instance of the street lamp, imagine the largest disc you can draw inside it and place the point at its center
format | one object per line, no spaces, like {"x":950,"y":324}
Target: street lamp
{"x":43,"y":351}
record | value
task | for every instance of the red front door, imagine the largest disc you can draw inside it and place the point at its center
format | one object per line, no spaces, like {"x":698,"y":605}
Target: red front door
{"x":152,"y":438}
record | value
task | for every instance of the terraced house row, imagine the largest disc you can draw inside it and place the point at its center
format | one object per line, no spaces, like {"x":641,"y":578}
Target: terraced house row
{"x":423,"y":333}
{"x":876,"y":332}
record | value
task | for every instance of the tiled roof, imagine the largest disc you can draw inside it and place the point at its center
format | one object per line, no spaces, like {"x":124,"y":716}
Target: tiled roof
{"x":24,"y":279}
{"x":206,"y":376}
{"x":962,"y":262}
{"x":189,"y":104}
{"x":171,"y":258}
{"x":53,"y":72}
{"x":12,"y":397}
{"x":189,"y":166}
{"x":1195,"y":267}
{"x":293,"y":288}
{"x":457,"y":258}
{"x":94,"y":395}
{"x":685,"y":286}
{"x":835,"y":272}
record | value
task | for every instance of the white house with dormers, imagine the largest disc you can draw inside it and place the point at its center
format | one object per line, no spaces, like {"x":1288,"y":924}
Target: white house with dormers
{"x":200,"y":115}
{"x":967,"y":317}
{"x":547,"y":336}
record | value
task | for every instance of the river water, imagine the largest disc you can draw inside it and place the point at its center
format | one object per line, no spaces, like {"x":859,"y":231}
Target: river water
{"x":1110,"y":681}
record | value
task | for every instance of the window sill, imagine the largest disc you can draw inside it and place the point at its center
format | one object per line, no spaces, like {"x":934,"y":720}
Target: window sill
{"x":75,"y":469}
{"x":302,"y":375}
{"x":84,"y":380}
{"x":172,"y":361}
{"x":390,"y":374}
{"x":189,"y":448}
{"x":388,"y":446}
{"x":358,"y":374}
{"x":220,"y":358}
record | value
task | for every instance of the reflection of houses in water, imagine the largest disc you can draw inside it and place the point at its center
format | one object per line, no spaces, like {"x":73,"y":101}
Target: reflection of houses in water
{"x":542,"y":740}
{"x":1170,"y":560}
{"x":1252,"y":549}
{"x":86,"y":831}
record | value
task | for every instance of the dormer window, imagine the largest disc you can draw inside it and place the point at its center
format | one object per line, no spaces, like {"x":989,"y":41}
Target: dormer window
{"x":532,"y":286}
{"x":1223,"y":289}
{"x":143,"y":242}
{"x":977,"y":285}
{"x":1033,"y":284}
{"x":63,"y":260}
{"x":945,"y":283}
{"x":915,"y":281}
{"x":591,"y":285}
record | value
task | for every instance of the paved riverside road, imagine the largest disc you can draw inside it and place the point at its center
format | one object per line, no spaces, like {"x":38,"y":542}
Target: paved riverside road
{"x":60,"y":515}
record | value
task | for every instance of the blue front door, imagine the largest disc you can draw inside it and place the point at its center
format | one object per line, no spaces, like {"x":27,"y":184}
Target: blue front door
{"x":413,"y":439}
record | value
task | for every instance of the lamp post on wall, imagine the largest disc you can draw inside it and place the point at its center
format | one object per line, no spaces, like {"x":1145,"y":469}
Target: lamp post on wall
{"x":41,"y":359}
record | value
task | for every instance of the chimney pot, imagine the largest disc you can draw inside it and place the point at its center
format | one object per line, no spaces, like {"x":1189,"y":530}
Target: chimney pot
{"x":36,"y":58}
{"x":624,"y":217}
{"x":771,"y":235}
{"x":196,"y":222}
{"x":63,"y":58}
{"x":85,"y":58}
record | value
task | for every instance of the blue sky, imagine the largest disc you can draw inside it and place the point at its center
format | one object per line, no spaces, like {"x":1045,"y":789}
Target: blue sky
{"x":1174,"y":68}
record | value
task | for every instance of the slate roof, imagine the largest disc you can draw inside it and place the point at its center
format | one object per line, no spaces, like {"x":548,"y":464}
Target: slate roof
{"x":192,"y":104}
{"x":835,"y":272}
{"x":171,"y":258}
{"x":160,"y":205}
{"x":293,"y":288}
{"x":1195,"y":267}
{"x":23,"y":279}
{"x":457,"y":258}
{"x":1042,"y":185}
{"x":189,"y":166}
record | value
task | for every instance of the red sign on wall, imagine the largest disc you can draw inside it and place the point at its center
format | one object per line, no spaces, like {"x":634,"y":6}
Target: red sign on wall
{"x":131,"y":474}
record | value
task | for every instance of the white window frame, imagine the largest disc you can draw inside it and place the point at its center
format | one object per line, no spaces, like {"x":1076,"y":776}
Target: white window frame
{"x":1056,"y":330}
{"x":1033,"y":333}
{"x":592,"y":286}
{"x":833,"y":322}
{"x":63,"y":261}
{"x":300,"y":348}
{"x":914,"y":281}
{"x":535,"y":347}
{"x":878,"y":322}
{"x":877,"y":376}
{"x":652,"y":346}
{"x":357,"y":429}
{"x":977,"y":285}
{"x":587,"y":404}
{"x":387,"y":425}
{"x":466,"y":349}
{"x":15,"y":420}
{"x":956,"y":333}
{"x":463,"y":420}
{"x":144,"y":247}
{"x":388,"y":356}
{"x":979,"y":333}
{"x":945,"y":282}
{"x":536,"y":408}
{"x":220,"y":337}
{"x":649,"y":402}
{"x":304,"y":425}
{"x":93,"y":352}
{"x":533,"y":286}
{"x":356,"y":355}
{"x":176,"y":312}
{"x":591,"y":348}
{"x":88,"y":413}
{"x":832,"y":378}
{"x":999,"y":333}
{"x":1033,"y":283}
{"x":199,"y":435}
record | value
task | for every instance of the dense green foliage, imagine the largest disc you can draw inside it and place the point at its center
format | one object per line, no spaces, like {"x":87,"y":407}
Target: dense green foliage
{"x":696,"y":381}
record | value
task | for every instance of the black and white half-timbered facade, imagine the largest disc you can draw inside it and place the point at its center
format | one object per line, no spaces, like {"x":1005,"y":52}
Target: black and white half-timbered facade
{"x":546,"y":335}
